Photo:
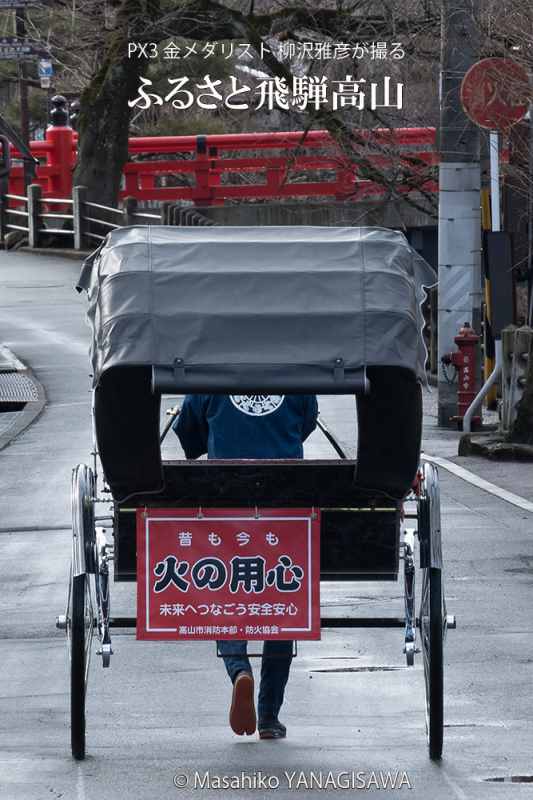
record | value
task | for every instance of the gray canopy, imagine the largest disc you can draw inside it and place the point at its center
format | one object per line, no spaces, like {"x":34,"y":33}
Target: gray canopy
{"x":297,"y":308}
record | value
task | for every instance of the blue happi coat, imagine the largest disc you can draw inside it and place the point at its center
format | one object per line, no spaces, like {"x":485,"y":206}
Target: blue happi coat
{"x":245,"y":426}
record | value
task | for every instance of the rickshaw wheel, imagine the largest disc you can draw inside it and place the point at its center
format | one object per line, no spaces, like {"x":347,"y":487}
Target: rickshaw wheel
{"x":432,"y":608}
{"x":431,"y":635}
{"x":80,"y":616}
{"x":80,"y":630}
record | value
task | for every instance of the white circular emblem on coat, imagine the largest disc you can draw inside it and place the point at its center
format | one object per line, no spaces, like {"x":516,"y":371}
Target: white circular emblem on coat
{"x":257,"y":405}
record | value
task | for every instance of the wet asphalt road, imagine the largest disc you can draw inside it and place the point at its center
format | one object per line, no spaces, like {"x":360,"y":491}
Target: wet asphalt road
{"x":161,"y":709}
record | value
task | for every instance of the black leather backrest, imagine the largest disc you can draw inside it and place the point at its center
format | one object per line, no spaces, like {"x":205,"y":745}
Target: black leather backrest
{"x":390,"y":430}
{"x":127,"y":430}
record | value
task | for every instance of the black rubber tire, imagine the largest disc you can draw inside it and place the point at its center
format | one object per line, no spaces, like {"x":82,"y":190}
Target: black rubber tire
{"x":433,"y":663}
{"x":77,"y":667}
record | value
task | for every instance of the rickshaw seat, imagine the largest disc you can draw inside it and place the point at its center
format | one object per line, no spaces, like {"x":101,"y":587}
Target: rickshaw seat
{"x":359,"y":526}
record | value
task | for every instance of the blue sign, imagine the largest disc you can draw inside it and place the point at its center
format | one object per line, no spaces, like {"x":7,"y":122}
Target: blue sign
{"x":46,"y":69}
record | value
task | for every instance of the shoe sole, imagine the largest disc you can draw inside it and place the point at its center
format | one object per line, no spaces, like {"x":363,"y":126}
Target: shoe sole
{"x":272,"y":735}
{"x":242,"y":717}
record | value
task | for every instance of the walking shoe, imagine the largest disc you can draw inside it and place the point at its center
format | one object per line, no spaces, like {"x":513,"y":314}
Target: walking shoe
{"x":273,"y":729}
{"x":242,"y":712}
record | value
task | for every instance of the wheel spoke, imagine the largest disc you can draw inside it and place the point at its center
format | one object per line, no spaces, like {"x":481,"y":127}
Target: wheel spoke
{"x":68,"y":616}
{"x":89,"y":627}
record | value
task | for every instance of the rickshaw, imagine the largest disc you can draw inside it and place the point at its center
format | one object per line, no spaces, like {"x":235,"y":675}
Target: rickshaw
{"x":245,"y":310}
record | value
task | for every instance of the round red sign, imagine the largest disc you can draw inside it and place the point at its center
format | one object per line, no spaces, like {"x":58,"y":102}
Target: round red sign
{"x":494,"y":93}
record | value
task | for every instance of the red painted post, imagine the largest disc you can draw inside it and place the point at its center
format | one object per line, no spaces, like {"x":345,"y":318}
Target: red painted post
{"x":16,"y":182}
{"x":202,"y":193}
{"x":146,"y":181}
{"x":131,"y":186}
{"x":214,"y":171}
{"x":60,"y":157}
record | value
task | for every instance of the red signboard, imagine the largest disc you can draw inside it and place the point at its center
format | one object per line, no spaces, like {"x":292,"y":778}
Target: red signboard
{"x":494,"y":93}
{"x":228,"y":574}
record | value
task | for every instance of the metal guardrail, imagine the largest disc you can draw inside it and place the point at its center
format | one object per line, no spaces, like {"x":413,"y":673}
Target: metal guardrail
{"x":9,"y":213}
{"x":53,"y":215}
{"x":145,"y":215}
{"x":77,"y":218}
{"x":90,"y":221}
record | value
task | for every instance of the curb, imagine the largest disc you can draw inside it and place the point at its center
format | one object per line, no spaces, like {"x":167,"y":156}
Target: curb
{"x":10,"y":363}
{"x":495,"y":448}
{"x":72,"y":255}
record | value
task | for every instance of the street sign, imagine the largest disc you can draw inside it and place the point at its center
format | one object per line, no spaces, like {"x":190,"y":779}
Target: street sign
{"x":46,"y":70}
{"x":45,"y":67}
{"x":14,"y":49}
{"x":228,"y":574}
{"x":494,"y":93}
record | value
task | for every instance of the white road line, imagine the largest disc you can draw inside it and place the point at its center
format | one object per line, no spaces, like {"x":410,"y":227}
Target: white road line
{"x":86,"y":402}
{"x":475,"y":480}
{"x":80,"y":785}
{"x":63,"y":340}
{"x":458,"y":792}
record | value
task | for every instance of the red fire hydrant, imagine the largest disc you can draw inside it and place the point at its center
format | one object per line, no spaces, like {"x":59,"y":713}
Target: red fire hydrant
{"x":464,"y":361}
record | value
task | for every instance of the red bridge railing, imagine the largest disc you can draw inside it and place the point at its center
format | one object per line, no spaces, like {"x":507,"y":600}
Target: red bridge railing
{"x":208,"y":170}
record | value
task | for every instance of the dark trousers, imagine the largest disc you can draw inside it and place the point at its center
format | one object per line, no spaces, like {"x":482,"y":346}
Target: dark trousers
{"x":275,"y":666}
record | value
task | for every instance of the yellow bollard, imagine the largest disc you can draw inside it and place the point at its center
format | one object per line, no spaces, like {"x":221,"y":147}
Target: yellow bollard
{"x":488,"y":361}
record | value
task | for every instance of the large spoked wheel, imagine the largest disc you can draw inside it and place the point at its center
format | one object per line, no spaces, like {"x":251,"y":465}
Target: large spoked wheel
{"x":409,"y":597}
{"x":432,"y":609}
{"x":431,"y":634}
{"x":80,"y":628}
{"x":80,"y":615}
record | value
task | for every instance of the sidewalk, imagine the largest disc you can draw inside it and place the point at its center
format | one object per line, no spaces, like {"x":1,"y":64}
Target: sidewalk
{"x":339,"y":415}
{"x":513,"y":476}
{"x":17,"y":385}
{"x":8,"y":362}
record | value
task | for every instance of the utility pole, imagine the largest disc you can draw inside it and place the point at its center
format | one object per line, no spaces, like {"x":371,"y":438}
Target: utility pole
{"x":530,"y":219}
{"x":20,"y":30}
{"x":459,"y":291}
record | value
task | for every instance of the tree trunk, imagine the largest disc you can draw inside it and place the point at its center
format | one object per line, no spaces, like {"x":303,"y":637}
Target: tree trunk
{"x":104,"y":112}
{"x":522,"y":429}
